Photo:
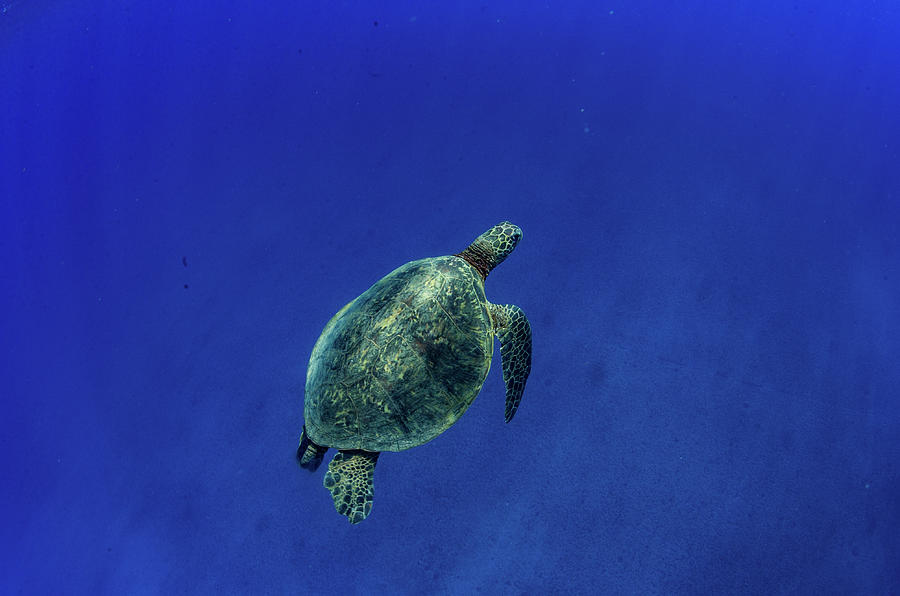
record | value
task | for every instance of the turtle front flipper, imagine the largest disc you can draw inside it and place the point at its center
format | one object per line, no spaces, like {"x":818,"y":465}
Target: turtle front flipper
{"x":514,"y":332}
{"x":349,"y":478}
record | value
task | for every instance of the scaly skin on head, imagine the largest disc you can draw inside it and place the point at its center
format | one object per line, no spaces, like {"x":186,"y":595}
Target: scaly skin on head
{"x":492,"y":247}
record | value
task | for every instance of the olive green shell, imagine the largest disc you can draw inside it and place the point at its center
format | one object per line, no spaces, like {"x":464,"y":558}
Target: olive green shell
{"x":400,"y":364}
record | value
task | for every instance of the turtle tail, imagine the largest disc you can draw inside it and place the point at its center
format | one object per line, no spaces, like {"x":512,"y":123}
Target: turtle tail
{"x":309,"y":455}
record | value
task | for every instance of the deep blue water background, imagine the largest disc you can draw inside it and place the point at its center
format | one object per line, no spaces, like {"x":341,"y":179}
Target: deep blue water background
{"x":710,"y":197}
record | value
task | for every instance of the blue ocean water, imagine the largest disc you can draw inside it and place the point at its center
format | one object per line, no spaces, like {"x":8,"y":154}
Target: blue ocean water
{"x":710,"y":199}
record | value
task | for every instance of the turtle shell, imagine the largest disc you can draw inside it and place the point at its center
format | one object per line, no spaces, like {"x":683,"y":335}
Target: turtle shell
{"x":400,"y":364}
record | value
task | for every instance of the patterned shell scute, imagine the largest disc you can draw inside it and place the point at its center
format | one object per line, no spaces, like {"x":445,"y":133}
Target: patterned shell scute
{"x":400,"y":364}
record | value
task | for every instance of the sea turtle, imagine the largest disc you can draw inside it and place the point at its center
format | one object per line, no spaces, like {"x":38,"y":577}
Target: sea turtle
{"x":400,"y":364}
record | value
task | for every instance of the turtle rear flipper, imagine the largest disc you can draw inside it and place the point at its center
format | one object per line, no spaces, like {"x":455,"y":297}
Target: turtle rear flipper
{"x":514,"y":332}
{"x":349,"y":478}
{"x":309,"y":455}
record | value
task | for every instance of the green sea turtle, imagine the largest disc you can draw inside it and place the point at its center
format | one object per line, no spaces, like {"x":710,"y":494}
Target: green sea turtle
{"x":400,"y":364}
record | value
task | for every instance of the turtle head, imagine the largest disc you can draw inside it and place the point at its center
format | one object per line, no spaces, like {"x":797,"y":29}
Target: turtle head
{"x":492,"y":247}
